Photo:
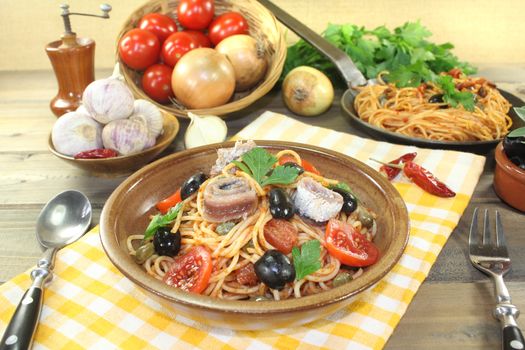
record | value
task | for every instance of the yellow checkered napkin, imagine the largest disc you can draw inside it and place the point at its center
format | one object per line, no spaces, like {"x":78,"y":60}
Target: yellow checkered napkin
{"x":89,"y":304}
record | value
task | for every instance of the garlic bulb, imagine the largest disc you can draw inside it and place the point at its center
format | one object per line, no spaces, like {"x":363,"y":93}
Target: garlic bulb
{"x":81,"y":109}
{"x":151,"y":114}
{"x":75,"y":132}
{"x":108,"y":99}
{"x":204,"y":130}
{"x":125,"y":136}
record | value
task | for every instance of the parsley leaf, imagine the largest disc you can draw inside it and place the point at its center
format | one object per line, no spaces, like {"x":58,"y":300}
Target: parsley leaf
{"x":306,"y":261}
{"x":258,"y":163}
{"x":454,"y":97}
{"x":159,"y":221}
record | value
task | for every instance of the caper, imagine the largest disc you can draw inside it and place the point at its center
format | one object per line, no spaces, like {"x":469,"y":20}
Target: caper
{"x":342,"y":278}
{"x":367,"y":220}
{"x":144,"y":252}
{"x":225,"y":227}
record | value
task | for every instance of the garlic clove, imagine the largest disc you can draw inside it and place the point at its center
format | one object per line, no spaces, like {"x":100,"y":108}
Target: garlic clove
{"x":75,"y":132}
{"x":126,"y":136}
{"x":204,"y":130}
{"x":151,"y":114}
{"x":108,"y":99}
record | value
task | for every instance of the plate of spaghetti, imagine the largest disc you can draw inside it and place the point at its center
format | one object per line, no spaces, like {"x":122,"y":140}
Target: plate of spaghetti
{"x":420,"y":116}
{"x":254,"y":235}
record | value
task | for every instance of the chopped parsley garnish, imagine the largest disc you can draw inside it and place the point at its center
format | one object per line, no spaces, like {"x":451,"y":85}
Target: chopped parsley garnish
{"x":258,"y":163}
{"x":159,"y":221}
{"x":306,"y":260}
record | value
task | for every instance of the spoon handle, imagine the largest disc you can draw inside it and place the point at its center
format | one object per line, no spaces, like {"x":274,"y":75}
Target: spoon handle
{"x":21,"y":329}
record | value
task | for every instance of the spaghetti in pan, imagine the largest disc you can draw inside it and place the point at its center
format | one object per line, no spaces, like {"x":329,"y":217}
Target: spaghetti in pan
{"x":259,"y":226}
{"x":422,"y":112}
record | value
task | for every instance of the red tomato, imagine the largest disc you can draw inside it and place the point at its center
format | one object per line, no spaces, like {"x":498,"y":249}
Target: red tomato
{"x":227,"y":24}
{"x":139,"y":48}
{"x":246,"y":275}
{"x":156,"y":82}
{"x":160,"y":25}
{"x":195,"y":14}
{"x":347,"y":245}
{"x":176,"y":46}
{"x":191,"y":271}
{"x":281,"y":234}
{"x":201,"y":39}
{"x":307,"y":166}
{"x":164,"y":205}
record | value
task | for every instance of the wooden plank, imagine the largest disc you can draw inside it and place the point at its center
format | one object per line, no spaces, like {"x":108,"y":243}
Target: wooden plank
{"x":453,"y":316}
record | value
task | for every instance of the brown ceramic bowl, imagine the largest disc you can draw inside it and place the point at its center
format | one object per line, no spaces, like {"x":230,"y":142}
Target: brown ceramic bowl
{"x":127,"y":209}
{"x":509,"y":180}
{"x":123,"y":165}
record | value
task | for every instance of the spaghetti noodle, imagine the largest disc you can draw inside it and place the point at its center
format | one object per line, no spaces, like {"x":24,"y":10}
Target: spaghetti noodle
{"x":246,"y":242}
{"x":408,"y":111}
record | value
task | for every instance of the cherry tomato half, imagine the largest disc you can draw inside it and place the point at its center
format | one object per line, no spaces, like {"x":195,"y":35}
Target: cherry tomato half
{"x":160,"y":25}
{"x":307,"y":166}
{"x":350,"y":247}
{"x":176,"y":46}
{"x":139,"y":48}
{"x":195,"y":14}
{"x":156,"y":82}
{"x":200,"y":39}
{"x":227,"y":24}
{"x":281,"y":234}
{"x":190,"y":272}
{"x":164,"y":205}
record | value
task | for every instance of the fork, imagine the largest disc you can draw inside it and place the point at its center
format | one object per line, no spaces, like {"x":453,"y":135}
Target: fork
{"x":493,"y":260}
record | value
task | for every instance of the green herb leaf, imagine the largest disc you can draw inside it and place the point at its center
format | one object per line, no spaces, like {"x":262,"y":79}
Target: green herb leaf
{"x":342,"y":185}
{"x":306,"y":261}
{"x":454,"y":97}
{"x":258,"y":163}
{"x":281,"y":175}
{"x":519,"y":132}
{"x":159,"y":221}
{"x":520,"y":111}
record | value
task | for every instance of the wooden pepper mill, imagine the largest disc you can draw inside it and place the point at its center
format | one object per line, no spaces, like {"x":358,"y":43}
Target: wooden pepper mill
{"x":73,"y":61}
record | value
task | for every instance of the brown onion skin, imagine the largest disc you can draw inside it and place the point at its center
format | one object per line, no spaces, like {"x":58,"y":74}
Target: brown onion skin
{"x":307,"y":91}
{"x":247,"y":57}
{"x":203,"y":78}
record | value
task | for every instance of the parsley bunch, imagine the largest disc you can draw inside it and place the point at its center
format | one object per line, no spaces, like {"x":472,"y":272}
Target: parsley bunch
{"x":404,"y":52}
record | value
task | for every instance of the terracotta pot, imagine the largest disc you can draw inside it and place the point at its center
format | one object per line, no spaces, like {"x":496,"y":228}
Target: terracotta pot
{"x":509,"y":180}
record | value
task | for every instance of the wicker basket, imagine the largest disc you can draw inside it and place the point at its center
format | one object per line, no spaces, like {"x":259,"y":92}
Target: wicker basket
{"x":263,"y":26}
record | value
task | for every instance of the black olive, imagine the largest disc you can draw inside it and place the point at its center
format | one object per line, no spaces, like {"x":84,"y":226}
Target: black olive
{"x":438,"y":98}
{"x":349,"y":200}
{"x":520,"y":162}
{"x":299,"y":168}
{"x":192,"y":184}
{"x":165,"y":242}
{"x":281,"y":206}
{"x":274,"y":269}
{"x":514,"y":146}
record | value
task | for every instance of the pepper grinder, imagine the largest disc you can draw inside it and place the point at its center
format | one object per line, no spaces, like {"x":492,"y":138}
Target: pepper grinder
{"x":73,"y":60}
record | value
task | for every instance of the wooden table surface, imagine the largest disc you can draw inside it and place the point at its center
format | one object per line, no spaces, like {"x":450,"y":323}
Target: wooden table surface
{"x":451,"y":310}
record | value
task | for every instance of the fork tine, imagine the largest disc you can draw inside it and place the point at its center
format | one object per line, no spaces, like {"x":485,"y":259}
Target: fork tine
{"x":473,"y":235}
{"x":486,"y":228}
{"x":500,"y":236}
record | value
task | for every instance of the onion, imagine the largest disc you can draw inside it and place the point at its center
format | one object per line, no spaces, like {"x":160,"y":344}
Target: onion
{"x":307,"y":91}
{"x":75,"y":132}
{"x":247,"y":57}
{"x":203,"y":78}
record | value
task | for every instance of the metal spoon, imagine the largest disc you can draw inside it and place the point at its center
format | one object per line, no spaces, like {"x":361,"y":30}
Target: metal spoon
{"x":63,"y":220}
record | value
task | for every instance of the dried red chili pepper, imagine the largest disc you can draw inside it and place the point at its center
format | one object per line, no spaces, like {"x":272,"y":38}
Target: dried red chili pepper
{"x":426,"y":180}
{"x":391,"y":172}
{"x":97,"y":153}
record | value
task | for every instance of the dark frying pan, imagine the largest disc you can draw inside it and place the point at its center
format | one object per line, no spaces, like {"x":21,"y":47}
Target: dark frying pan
{"x":353,"y":77}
